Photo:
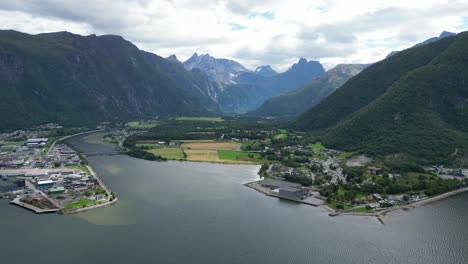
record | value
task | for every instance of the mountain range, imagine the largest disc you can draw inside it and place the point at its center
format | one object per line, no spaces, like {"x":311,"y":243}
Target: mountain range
{"x":297,"y":101}
{"x":240,"y":90}
{"x":67,"y":78}
{"x":415,"y":103}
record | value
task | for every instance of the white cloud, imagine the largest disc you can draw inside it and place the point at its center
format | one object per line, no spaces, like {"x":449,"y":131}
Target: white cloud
{"x":275,"y":32}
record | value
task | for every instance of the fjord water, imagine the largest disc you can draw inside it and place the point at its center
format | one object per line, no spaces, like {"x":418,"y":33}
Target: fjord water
{"x":183,"y":212}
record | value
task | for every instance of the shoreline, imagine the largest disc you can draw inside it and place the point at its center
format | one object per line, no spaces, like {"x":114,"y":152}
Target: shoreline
{"x":412,"y":205}
{"x":61,"y":209}
{"x":253,"y":185}
{"x":101,"y":183}
{"x":70,"y":136}
{"x":92,"y":172}
{"x":225,"y":162}
{"x":378,"y":215}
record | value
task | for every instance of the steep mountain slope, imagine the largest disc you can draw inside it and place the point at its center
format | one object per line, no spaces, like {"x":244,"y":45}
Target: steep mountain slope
{"x":195,"y":82}
{"x":442,"y":35}
{"x":68,"y":78}
{"x":367,"y":86}
{"x":295,"y":102}
{"x":251,"y":90}
{"x":422,"y":112}
{"x":218,"y":70}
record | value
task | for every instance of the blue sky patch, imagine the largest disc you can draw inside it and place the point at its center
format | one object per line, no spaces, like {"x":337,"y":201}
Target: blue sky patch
{"x":237,"y":27}
{"x":268,"y":15}
{"x":465,"y":24}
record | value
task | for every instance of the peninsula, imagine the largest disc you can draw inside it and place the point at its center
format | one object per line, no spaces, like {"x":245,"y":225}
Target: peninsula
{"x":44,"y":175}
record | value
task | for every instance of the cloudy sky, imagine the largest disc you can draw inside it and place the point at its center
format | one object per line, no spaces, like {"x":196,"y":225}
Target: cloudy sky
{"x":274,"y":32}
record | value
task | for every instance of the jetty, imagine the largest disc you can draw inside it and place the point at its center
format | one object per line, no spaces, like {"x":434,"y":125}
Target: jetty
{"x":33,"y":208}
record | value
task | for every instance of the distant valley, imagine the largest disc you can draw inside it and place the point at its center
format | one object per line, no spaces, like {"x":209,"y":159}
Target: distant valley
{"x":240,"y":90}
{"x":295,"y":102}
{"x":413,"y":102}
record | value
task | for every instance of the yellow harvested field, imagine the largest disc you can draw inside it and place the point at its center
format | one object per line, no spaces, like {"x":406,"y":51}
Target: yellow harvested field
{"x":210,"y":155}
{"x":210,"y":146}
{"x":202,"y":155}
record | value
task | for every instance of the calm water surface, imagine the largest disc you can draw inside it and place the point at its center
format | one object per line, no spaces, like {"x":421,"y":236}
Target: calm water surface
{"x":175,"y":212}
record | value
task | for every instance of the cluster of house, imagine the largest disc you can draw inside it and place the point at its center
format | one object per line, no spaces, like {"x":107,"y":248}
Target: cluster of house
{"x":44,"y":129}
{"x":281,"y":170}
{"x":62,"y":154}
{"x":29,"y":156}
{"x":376,"y":201}
{"x":440,"y":170}
{"x":16,"y":156}
{"x":330,"y":167}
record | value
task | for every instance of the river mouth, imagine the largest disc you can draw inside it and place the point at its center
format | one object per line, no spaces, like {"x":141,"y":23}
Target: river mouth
{"x":190,"y":212}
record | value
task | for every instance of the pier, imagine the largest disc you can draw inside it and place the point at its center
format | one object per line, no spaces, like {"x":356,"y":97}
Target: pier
{"x":33,"y":208}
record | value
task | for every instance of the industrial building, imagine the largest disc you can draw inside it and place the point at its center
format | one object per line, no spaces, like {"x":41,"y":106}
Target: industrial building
{"x":9,"y":184}
{"x":57,"y":190}
{"x":293,"y":192}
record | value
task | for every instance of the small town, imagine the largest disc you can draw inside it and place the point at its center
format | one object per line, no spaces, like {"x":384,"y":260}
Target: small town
{"x":352,"y":184}
{"x":297,"y":168}
{"x":43,"y":175}
{"x":40,"y":173}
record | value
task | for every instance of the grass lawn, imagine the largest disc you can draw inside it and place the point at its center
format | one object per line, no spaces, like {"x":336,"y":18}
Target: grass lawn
{"x":79,"y":204}
{"x":320,"y":156}
{"x":201,"y":118}
{"x":7,"y":151}
{"x":78,"y":167}
{"x":345,"y":155}
{"x":413,"y":178}
{"x":168,"y":153}
{"x":237,"y":155}
{"x":11,"y":143}
{"x":137,"y":124}
{"x":245,"y":144}
{"x":363,"y":210}
{"x":334,"y":203}
{"x":341,"y":191}
{"x":360,"y":195}
{"x":282,"y":135}
{"x":317,"y":146}
{"x":150,"y":145}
